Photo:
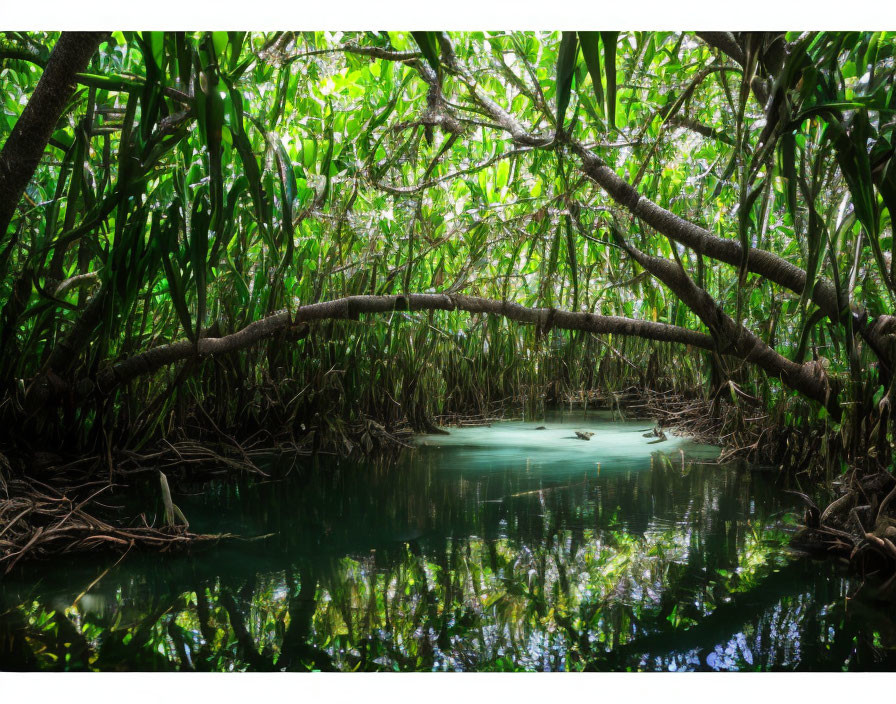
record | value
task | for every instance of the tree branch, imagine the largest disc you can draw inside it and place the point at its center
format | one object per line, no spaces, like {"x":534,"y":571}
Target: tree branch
{"x":417,"y":188}
{"x":727,"y":43}
{"x":734,"y":339}
{"x":352,"y":306}
{"x":760,"y":262}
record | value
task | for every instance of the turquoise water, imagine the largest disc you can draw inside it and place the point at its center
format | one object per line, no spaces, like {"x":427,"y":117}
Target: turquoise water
{"x":494,"y":548}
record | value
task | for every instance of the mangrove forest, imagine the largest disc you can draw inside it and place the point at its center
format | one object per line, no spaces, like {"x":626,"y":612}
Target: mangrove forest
{"x":447,"y":351}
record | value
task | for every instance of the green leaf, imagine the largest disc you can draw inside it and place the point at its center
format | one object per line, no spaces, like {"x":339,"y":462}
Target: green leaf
{"x":609,"y":42}
{"x":199,"y":223}
{"x":173,"y":274}
{"x":573,"y":262}
{"x":787,"y":157}
{"x":430,"y":48}
{"x":590,"y":42}
{"x":219,"y":42}
{"x":566,"y":66}
{"x":235,"y":40}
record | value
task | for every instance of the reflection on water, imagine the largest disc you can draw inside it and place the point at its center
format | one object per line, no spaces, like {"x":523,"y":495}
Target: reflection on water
{"x":503,"y":548}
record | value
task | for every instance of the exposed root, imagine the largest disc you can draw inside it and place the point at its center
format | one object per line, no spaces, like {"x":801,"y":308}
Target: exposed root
{"x":41,"y":521}
{"x":189,"y":457}
{"x":859,"y":527}
{"x":65,"y":514}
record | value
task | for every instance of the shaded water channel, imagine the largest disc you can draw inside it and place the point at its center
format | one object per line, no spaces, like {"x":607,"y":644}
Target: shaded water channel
{"x":502,"y":548}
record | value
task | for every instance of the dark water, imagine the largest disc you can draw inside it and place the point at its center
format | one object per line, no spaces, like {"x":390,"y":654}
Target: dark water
{"x":500,"y":548}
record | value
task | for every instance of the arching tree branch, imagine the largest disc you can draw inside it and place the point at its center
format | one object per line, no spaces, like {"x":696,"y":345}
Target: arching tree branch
{"x":351,"y":307}
{"x":742,"y":343}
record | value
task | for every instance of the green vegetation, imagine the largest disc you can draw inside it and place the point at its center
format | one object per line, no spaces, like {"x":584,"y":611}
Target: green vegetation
{"x":193,"y":184}
{"x":317,"y":239}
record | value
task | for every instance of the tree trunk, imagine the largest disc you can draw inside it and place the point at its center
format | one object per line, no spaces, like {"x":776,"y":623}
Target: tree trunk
{"x":25,"y":145}
{"x":352,"y":306}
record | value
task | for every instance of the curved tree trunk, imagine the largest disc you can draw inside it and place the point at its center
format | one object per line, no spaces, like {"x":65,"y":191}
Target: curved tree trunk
{"x":771,"y":266}
{"x":25,"y":145}
{"x":746,"y":346}
{"x":351,"y":307}
{"x":735,"y":340}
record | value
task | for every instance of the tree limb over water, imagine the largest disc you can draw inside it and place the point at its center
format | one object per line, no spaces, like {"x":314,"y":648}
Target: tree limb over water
{"x":350,"y":307}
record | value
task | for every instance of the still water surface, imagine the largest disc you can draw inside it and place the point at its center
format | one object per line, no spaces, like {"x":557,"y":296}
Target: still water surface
{"x":501,"y":548}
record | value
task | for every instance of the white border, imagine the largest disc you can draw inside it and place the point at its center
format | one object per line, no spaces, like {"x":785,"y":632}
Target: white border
{"x":449,"y":14}
{"x":435,"y":688}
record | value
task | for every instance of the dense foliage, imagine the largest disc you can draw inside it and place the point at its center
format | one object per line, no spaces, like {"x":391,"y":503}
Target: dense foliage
{"x":196,"y":183}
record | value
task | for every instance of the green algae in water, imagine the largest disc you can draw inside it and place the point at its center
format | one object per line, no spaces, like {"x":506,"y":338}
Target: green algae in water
{"x":491,"y":549}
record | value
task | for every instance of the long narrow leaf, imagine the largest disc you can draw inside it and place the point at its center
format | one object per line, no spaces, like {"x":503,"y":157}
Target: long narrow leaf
{"x":566,"y":66}
{"x":609,"y":41}
{"x":590,"y":42}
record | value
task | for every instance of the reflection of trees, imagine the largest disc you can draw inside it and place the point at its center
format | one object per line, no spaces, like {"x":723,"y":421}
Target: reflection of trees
{"x":671,"y":567}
